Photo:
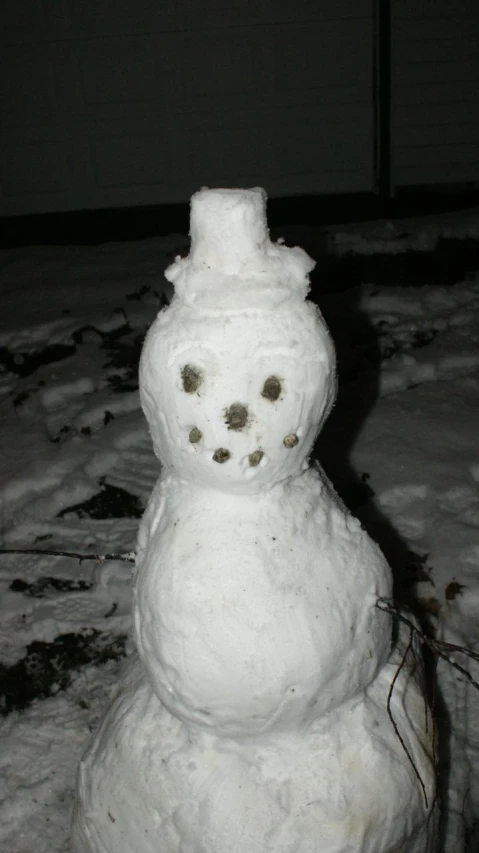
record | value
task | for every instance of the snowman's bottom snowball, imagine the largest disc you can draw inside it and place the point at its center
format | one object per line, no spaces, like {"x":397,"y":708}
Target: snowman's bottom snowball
{"x":149,"y":784}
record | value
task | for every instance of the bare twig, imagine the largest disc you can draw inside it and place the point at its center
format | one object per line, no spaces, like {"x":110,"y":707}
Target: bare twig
{"x":127,"y":557}
{"x":439,"y":647}
{"x":398,"y":734}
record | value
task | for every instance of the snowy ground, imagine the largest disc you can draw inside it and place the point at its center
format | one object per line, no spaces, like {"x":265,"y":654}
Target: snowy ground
{"x":77,"y":468}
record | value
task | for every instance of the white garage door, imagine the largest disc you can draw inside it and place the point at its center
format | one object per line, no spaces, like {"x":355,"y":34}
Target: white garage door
{"x":108,"y":103}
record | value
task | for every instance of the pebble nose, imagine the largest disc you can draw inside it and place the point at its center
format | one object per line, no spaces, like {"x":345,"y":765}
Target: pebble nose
{"x":236,"y":416}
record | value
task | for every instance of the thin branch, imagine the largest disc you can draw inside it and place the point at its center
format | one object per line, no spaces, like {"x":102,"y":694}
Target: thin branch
{"x":127,"y":557}
{"x":398,"y":734}
{"x":419,"y":661}
{"x":439,"y":647}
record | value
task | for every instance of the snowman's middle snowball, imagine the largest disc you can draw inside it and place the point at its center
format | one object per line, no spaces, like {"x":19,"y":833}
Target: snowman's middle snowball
{"x":309,"y":637}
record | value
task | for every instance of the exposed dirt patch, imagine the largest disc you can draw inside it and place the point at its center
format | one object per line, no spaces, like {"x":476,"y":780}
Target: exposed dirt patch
{"x":25,"y":363}
{"x":47,"y":667}
{"x":41,"y":587}
{"x":109,"y":502}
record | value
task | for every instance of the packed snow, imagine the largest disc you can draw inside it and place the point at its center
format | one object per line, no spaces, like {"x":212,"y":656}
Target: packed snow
{"x":77,"y":468}
{"x":263,"y":656}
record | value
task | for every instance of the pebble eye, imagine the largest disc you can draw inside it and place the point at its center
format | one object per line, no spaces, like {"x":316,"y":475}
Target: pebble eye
{"x":221,"y":455}
{"x":195,"y":435}
{"x":271,"y":388}
{"x":191,"y":378}
{"x":290,"y":440}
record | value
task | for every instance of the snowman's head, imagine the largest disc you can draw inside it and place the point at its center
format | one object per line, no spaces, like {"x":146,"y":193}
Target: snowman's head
{"x":238,"y":375}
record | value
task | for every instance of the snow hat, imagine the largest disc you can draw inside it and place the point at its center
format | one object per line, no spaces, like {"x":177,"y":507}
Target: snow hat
{"x":232,"y":264}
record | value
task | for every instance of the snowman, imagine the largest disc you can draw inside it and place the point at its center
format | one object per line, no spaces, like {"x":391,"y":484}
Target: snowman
{"x":256,"y":715}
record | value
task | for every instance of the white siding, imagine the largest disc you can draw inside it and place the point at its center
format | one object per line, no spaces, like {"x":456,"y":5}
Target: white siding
{"x":134,"y":102}
{"x":435,"y":91}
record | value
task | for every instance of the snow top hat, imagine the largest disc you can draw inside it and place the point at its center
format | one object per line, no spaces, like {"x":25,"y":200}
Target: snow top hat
{"x":233,"y":265}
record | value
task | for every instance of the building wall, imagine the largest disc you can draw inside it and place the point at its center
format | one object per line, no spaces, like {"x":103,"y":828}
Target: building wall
{"x":106,"y":103}
{"x":435,"y":91}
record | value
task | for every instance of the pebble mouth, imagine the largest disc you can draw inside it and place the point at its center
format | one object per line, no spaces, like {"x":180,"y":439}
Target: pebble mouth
{"x":195,"y":435}
{"x":255,"y":458}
